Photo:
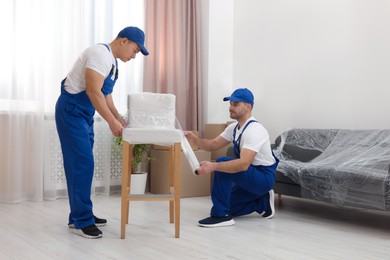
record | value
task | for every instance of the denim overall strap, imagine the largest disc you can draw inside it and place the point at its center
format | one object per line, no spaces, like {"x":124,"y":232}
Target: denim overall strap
{"x":109,"y":82}
{"x":236,"y":144}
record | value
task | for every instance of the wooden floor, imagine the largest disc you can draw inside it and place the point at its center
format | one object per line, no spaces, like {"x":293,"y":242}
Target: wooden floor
{"x":301,"y":229}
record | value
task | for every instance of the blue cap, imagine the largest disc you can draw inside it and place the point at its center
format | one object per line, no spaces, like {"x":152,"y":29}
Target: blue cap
{"x":241,"y":95}
{"x":136,"y":35}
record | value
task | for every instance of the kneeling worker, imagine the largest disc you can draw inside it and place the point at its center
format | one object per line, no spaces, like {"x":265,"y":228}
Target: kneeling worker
{"x":244,"y":184}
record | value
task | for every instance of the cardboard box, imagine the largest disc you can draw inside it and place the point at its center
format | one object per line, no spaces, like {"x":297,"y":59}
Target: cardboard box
{"x":211,"y":131}
{"x":193,"y":146}
{"x":191,"y":185}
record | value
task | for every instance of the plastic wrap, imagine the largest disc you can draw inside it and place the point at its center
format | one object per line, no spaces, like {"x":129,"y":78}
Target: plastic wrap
{"x":151,"y":110}
{"x":152,"y":120}
{"x":188,"y":152}
{"x":344,"y":167}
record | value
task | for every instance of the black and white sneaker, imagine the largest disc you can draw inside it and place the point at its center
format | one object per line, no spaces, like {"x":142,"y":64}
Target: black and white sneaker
{"x":89,"y":232}
{"x":216,"y":222}
{"x":270,"y":212}
{"x":99,"y":222}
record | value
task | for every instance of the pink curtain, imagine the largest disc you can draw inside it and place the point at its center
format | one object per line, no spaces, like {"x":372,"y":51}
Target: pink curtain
{"x":172,"y":30}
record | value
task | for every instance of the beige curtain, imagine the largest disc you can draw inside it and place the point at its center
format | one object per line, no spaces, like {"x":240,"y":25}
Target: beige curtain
{"x":172,"y":30}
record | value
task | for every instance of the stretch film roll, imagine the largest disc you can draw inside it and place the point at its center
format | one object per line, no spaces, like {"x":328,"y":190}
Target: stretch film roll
{"x":188,"y":152}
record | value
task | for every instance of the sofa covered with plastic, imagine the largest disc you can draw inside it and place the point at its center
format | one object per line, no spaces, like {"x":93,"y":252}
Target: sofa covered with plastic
{"x":342,"y":167}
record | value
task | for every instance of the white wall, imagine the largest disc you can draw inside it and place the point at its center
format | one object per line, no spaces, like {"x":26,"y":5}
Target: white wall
{"x":217,"y":55}
{"x":315,"y":64}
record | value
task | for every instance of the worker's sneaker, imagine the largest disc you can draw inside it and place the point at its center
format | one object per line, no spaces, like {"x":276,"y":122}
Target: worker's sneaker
{"x":270,"y":212}
{"x":216,"y":222}
{"x":99,"y":222}
{"x":89,"y":232}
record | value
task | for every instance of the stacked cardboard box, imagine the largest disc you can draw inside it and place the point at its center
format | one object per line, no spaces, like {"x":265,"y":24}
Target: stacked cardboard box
{"x":191,"y":185}
{"x":212,"y":131}
{"x":193,"y":146}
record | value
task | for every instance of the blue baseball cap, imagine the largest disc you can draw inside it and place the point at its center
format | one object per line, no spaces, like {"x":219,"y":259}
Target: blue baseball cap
{"x":241,"y":95}
{"x":136,"y":35}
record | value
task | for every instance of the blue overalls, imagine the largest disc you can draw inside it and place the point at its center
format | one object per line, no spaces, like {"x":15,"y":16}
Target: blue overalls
{"x":74,"y":119}
{"x":244,"y":192}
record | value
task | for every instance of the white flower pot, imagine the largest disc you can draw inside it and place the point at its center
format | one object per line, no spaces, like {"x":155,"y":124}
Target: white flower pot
{"x":138,"y":183}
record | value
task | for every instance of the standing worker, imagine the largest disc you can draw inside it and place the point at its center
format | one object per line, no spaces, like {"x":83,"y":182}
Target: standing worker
{"x":88,"y":87}
{"x":241,"y":185}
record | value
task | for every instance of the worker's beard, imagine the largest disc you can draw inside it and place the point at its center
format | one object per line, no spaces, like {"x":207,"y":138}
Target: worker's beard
{"x":235,"y":115}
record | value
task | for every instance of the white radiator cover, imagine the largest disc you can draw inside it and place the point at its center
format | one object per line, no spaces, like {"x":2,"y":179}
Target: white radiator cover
{"x":108,"y":161}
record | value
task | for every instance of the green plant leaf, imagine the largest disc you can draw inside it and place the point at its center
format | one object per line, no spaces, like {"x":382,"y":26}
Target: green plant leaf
{"x":118,"y":145}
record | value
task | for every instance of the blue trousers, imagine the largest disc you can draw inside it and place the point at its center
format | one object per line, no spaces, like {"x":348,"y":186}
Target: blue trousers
{"x":241,"y":193}
{"x":74,"y":120}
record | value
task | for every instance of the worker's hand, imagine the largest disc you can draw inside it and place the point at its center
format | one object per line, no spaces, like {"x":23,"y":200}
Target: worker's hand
{"x":190,"y":136}
{"x":116,"y":127}
{"x":206,"y":167}
{"x":121,"y":120}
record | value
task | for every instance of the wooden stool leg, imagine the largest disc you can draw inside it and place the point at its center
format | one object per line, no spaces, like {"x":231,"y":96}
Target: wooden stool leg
{"x":171,"y":182}
{"x":130,"y":165}
{"x":174,"y":183}
{"x":177,"y":185}
{"x":125,"y":182}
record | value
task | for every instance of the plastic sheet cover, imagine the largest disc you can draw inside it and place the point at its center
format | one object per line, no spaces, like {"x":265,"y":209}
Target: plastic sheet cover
{"x":344,"y":167}
{"x":151,"y":110}
{"x":152,"y":119}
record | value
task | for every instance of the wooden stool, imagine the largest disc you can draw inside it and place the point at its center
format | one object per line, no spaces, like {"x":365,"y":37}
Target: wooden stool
{"x":174,"y":183}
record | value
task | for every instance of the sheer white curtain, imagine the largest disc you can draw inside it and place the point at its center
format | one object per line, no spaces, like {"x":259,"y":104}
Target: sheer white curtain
{"x":39,"y":41}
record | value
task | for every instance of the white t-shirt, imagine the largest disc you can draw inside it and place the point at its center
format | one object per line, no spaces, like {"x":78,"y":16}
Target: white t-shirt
{"x":97,"y":58}
{"x":254,"y":138}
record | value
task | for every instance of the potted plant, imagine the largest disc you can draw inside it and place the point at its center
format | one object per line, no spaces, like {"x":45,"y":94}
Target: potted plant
{"x":140,"y":156}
